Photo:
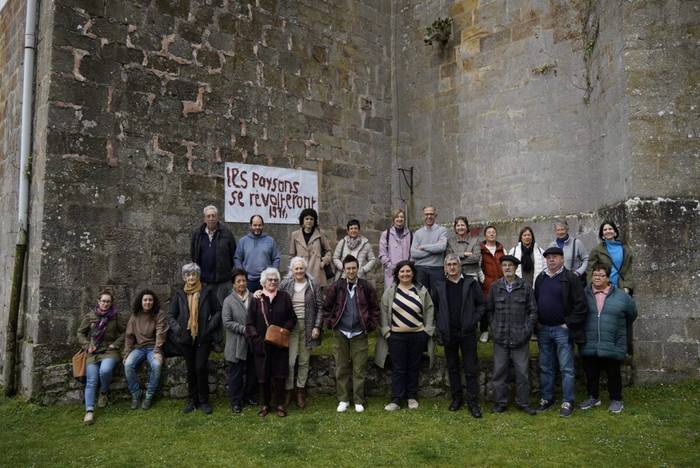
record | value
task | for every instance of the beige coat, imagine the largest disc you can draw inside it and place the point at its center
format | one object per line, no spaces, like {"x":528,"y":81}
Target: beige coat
{"x":317,"y":253}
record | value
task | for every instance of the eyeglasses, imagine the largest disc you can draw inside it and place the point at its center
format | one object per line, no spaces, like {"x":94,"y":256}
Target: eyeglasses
{"x":273,"y":280}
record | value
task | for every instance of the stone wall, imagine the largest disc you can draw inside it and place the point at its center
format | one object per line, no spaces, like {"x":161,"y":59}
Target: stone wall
{"x":495,"y":120}
{"x":146,"y":102}
{"x":662,"y":63}
{"x":11,"y":59}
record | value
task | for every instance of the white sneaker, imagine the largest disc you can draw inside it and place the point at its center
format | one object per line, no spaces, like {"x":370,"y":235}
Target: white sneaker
{"x":392,"y":407}
{"x":342,"y":406}
{"x":412,"y":404}
{"x":89,"y":418}
{"x":359,"y":408}
{"x":484,"y":337}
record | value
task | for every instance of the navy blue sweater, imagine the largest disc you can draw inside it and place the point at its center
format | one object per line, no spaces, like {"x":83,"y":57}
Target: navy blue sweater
{"x":550,"y":303}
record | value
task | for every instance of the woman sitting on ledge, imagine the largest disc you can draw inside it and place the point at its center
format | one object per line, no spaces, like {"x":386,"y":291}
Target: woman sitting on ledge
{"x":101,"y":333}
{"x":146,"y":333}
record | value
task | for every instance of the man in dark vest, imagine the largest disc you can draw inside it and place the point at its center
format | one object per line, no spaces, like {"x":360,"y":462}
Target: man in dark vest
{"x":212,"y":248}
{"x":351,"y":310}
{"x":460,"y":307}
{"x":561,"y":313}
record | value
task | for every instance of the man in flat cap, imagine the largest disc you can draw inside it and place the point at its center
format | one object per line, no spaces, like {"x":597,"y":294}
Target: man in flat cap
{"x":561,"y":313}
{"x":511,"y":307}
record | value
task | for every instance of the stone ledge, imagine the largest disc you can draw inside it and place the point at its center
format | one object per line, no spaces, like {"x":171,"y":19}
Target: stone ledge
{"x":60,"y":387}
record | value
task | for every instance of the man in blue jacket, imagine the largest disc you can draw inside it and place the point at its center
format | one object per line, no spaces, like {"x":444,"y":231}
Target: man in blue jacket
{"x":255,"y":252}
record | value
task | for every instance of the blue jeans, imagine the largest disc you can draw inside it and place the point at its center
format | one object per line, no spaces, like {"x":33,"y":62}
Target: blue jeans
{"x":131,"y":367}
{"x":555,"y":341}
{"x":98,"y":372}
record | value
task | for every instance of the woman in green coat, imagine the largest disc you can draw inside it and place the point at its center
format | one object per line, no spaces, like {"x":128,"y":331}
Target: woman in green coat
{"x":101,"y":333}
{"x":612,"y":253}
{"x":609,"y":312}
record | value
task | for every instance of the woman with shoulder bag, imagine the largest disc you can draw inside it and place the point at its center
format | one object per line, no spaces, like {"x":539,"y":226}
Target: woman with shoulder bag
{"x":310,"y":243}
{"x":101,"y":334}
{"x":615,"y":255}
{"x":356,"y":245}
{"x":271,"y":318}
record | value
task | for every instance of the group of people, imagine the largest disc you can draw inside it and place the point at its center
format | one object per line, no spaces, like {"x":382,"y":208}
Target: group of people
{"x":440,"y":288}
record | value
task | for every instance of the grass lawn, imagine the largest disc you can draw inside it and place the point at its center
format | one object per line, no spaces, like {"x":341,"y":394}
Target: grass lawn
{"x":659,"y":427}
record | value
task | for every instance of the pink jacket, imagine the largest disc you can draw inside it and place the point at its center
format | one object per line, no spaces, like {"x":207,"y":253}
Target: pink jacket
{"x":392,"y":252}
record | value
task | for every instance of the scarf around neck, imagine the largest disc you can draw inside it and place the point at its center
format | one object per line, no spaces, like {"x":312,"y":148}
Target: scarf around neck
{"x":526,"y":257}
{"x":562,"y":242}
{"x":270,"y":295}
{"x":352,"y":243}
{"x":100,"y":328}
{"x":193,"y":305}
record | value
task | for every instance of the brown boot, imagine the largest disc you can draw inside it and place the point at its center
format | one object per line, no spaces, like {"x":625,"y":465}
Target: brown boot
{"x":287,"y":398}
{"x":301,"y":397}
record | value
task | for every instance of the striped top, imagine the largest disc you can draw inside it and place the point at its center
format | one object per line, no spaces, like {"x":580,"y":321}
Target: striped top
{"x":406,"y":311}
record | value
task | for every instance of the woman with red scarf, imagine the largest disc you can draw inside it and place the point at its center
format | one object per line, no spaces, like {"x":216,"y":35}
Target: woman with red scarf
{"x":101,"y":333}
{"x":491,"y":253}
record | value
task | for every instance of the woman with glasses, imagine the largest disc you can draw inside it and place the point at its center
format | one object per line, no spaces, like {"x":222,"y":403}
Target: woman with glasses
{"x":101,"y":333}
{"x":271,"y":307}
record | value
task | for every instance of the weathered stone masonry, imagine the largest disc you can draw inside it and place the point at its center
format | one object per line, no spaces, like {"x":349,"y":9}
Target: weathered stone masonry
{"x":533,"y":109}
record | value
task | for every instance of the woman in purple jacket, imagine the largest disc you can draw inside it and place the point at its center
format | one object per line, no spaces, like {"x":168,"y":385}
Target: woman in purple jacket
{"x":394,"y":245}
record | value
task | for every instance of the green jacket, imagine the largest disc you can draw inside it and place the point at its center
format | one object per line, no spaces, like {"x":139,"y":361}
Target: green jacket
{"x":381,"y":350}
{"x":606,"y":333}
{"x":599,"y":254}
{"x":112,"y":342}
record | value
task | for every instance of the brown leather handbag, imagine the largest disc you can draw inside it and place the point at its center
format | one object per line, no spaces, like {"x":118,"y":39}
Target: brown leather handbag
{"x":79,"y":364}
{"x":275,"y":335}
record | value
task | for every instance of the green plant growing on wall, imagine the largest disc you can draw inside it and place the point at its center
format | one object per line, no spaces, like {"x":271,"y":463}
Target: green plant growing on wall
{"x":439,"y":31}
{"x":545,"y":69}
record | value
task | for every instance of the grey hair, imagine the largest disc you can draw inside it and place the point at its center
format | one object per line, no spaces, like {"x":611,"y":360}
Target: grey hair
{"x":297,"y":260}
{"x":560,"y":222}
{"x":210,"y":208}
{"x":267,"y":272}
{"x":191,"y":268}
{"x":451,"y":256}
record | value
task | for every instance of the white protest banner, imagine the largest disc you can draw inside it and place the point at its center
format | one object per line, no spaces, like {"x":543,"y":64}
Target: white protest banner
{"x":275,"y":193}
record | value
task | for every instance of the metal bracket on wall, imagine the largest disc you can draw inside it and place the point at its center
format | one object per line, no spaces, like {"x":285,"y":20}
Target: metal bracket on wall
{"x":407,"y":175}
{"x":408,"y":179}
